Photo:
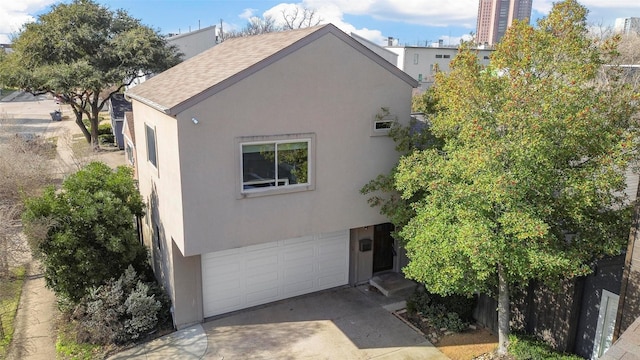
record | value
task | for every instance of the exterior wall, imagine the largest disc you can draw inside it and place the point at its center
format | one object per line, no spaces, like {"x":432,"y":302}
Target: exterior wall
{"x":326,"y":88}
{"x":629,"y":302}
{"x":162,"y":225}
{"x":195,"y":42}
{"x":360,"y":262}
{"x":429,"y":59}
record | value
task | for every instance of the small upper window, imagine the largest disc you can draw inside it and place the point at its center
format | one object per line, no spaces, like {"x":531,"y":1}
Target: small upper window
{"x":152,"y":154}
{"x":415,"y":58}
{"x":382,"y":123}
{"x":447,"y":56}
{"x":438,"y":56}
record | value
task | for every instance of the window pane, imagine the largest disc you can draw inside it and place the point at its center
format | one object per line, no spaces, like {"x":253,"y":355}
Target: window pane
{"x":258,"y":166}
{"x":151,"y":146}
{"x":293,"y":162}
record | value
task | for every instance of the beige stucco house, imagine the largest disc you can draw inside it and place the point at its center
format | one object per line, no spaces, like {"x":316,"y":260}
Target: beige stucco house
{"x":251,"y":157}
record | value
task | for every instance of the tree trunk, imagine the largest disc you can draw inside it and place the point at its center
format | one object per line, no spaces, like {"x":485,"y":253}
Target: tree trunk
{"x":95,"y":120}
{"x":80,"y":124}
{"x":503,"y":311}
{"x":94,"y":132}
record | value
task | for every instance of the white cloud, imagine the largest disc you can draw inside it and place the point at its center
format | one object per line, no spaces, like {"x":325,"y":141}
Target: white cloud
{"x":326,"y":12}
{"x":14,"y":14}
{"x":247,"y":14}
{"x":433,"y":13}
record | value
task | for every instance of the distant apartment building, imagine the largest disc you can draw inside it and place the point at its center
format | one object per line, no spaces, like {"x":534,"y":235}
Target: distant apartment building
{"x":194,"y":42}
{"x":423,"y":62}
{"x":627,"y":26}
{"x":495,"y":17}
{"x":6,"y":48}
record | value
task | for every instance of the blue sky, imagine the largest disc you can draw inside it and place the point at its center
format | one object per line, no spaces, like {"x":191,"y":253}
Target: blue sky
{"x":411,"y":21}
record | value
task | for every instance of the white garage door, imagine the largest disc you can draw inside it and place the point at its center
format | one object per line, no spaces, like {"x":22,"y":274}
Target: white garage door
{"x":240,"y":278}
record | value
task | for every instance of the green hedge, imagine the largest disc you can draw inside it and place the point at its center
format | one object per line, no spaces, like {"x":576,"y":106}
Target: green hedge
{"x":104,"y":129}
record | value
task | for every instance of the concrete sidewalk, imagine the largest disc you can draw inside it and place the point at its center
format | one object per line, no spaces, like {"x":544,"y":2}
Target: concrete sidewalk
{"x":34,"y":335}
{"x":186,"y":344}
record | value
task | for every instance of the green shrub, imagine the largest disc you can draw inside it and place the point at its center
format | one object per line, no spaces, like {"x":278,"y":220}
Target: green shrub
{"x":523,"y":347}
{"x":448,"y":320}
{"x":106,"y":139}
{"x":459,"y":304}
{"x":121,"y":310}
{"x":418,"y":302}
{"x":105,"y":129}
{"x":451,"y":312}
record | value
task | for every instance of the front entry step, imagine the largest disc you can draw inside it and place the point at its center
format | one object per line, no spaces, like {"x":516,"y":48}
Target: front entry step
{"x":392,"y":284}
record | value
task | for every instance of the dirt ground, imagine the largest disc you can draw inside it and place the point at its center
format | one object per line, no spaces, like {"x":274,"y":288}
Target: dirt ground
{"x":468,"y":344}
{"x":471,"y":343}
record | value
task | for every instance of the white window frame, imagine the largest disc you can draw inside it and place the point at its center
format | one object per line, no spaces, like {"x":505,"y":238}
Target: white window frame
{"x":148,"y":128}
{"x":130,"y":152}
{"x":382,"y":126}
{"x":310,"y":138}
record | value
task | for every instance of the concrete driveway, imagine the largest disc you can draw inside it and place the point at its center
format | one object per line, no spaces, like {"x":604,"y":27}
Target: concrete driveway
{"x":343,"y":323}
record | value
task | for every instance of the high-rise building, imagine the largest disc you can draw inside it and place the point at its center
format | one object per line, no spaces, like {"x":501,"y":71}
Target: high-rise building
{"x":495,"y":16}
{"x":627,"y":26}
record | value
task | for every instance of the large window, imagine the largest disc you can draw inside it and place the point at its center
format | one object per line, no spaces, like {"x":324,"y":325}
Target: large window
{"x":281,"y":164}
{"x":152,"y":154}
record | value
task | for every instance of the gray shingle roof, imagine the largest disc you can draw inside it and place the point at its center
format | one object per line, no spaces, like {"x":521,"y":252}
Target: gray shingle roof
{"x":231,"y":61}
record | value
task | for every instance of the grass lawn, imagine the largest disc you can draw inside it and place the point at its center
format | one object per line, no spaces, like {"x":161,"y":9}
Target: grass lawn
{"x":10,"y":290}
{"x":68,"y":348}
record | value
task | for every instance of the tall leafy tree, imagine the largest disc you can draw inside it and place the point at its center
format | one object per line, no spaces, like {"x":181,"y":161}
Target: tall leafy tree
{"x":85,"y":233}
{"x":529,"y":182}
{"x":84,"y":53}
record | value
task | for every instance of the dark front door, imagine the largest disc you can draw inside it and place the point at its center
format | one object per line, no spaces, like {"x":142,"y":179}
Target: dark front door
{"x":383,"y":250}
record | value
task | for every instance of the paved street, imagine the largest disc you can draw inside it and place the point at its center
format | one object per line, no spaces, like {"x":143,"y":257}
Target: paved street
{"x":26,"y":113}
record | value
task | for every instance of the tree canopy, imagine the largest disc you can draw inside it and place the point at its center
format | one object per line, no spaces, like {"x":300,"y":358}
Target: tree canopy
{"x":528,"y":181}
{"x":84,"y":53}
{"x":85,"y":232}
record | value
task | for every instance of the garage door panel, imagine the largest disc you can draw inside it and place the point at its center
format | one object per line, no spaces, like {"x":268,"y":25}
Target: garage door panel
{"x":263,"y":280}
{"x":239,"y":278}
{"x":329,"y":281}
{"x":299,"y":288}
{"x":298,"y":273}
{"x":258,"y":263}
{"x":298,"y":251}
{"x":262,"y":296}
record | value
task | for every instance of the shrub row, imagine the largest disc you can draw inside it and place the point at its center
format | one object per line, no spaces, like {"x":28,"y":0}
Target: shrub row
{"x":121,"y":311}
{"x":452,"y":312}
